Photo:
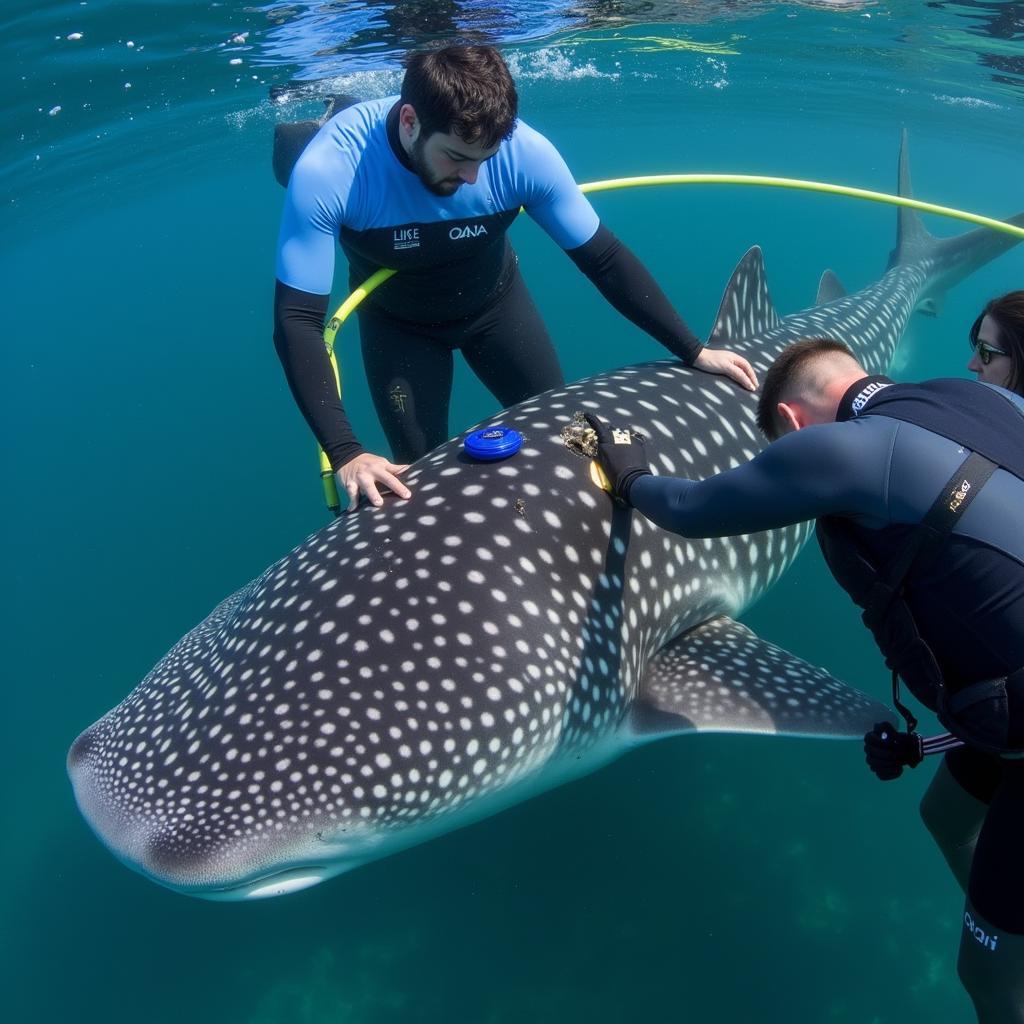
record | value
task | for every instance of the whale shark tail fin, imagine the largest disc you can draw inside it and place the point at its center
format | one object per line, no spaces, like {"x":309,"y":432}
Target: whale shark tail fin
{"x":951,"y":259}
{"x":746,"y":308}
{"x":913,"y":241}
{"x":722,"y":677}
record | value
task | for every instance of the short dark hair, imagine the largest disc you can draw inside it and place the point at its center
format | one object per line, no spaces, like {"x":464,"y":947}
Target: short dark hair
{"x":784,"y":377}
{"x":467,"y":90}
{"x":1008,"y":313}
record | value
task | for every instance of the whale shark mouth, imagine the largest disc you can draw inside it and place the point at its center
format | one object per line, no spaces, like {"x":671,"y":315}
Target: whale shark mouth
{"x":279,"y":883}
{"x":136,"y":843}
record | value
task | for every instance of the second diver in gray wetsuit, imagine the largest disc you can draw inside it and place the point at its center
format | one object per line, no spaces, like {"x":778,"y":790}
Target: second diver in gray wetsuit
{"x":872,"y":461}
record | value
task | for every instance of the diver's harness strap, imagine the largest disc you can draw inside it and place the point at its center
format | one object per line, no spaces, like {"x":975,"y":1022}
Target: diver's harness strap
{"x":886,"y":603}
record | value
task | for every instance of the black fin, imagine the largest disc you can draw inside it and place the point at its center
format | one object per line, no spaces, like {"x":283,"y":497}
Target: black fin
{"x":289,"y":142}
{"x":291,"y":139}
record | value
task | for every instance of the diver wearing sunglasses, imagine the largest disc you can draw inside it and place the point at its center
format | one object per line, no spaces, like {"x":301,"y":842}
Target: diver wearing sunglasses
{"x":997,"y":341}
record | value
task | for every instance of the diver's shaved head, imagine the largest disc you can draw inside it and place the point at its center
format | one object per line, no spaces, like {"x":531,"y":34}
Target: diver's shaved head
{"x":805,"y":373}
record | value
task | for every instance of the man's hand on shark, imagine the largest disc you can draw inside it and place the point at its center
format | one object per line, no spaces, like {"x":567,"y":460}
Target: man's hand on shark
{"x":365,"y":473}
{"x":728,"y":364}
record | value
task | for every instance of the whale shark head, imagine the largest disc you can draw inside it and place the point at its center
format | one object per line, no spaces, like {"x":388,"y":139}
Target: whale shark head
{"x":403,"y":666}
{"x":408,"y":669}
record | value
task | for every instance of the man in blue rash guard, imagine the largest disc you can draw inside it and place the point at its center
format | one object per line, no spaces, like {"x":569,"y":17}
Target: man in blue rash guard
{"x":428,"y":183}
{"x":873,"y":457}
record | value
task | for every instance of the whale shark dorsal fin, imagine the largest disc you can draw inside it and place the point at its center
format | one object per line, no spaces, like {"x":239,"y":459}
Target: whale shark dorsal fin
{"x":722,"y":677}
{"x":830,"y":288}
{"x":746,"y":307}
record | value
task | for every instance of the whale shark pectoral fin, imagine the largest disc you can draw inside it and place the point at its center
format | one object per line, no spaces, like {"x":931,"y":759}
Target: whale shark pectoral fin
{"x":746,"y":308}
{"x":830,"y":288}
{"x":722,"y":677}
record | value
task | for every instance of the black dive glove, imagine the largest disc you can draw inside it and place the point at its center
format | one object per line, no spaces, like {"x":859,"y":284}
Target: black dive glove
{"x":888,"y":751}
{"x":621,"y":454}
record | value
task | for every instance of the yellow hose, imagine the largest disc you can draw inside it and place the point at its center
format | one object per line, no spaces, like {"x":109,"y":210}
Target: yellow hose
{"x":382,"y":275}
{"x":327,"y":476}
{"x":805,"y":186}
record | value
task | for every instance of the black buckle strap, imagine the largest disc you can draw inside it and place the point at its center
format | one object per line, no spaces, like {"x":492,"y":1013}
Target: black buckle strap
{"x":953,"y":501}
{"x":983,"y":690}
{"x":905,"y":712}
{"x":960,"y":490}
{"x":973,"y":712}
{"x":938,"y":522}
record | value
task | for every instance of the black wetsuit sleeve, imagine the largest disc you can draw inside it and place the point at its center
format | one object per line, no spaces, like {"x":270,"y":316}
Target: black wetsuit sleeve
{"x":299,"y":340}
{"x":823,"y":470}
{"x":628,"y":285}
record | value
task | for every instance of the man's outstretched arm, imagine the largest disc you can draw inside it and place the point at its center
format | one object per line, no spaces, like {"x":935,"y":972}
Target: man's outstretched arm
{"x":823,"y":470}
{"x":556,"y":203}
{"x":299,"y":340}
{"x":313,"y":210}
{"x":629,"y":286}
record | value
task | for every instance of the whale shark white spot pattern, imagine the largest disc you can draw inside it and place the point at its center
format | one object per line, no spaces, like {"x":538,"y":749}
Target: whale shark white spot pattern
{"x":410,"y":668}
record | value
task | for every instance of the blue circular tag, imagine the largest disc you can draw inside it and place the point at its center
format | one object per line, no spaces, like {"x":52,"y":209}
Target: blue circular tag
{"x":493,"y":443}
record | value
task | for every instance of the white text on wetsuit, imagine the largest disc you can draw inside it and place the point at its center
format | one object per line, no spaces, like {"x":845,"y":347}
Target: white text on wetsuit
{"x":469,"y":231}
{"x":979,"y":933}
{"x":406,"y":238}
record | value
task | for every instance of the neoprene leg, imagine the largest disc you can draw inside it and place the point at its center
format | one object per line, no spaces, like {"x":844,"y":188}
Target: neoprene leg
{"x":991,"y":961}
{"x":410,"y":379}
{"x":510,"y":349}
{"x":991,"y":967}
{"x":954,"y":819}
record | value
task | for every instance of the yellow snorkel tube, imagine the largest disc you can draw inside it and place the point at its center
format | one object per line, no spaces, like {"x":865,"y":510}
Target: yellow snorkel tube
{"x":330,"y":484}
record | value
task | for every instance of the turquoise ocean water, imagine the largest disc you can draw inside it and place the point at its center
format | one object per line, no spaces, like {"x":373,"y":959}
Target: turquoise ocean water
{"x":154,"y":462}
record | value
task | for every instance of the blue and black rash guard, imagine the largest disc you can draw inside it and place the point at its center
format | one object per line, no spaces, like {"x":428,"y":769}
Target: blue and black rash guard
{"x":878,"y":471}
{"x":354,"y":185}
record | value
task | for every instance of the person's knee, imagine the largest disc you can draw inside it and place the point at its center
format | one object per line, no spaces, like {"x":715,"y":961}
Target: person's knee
{"x":945,"y":829}
{"x":949,"y":812}
{"x":931,"y":813}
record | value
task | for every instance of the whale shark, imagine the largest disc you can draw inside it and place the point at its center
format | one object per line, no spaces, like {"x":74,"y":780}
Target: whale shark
{"x":409,"y":669}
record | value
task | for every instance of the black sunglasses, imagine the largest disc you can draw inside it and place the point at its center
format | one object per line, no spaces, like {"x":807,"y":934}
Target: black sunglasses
{"x":986,"y":351}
